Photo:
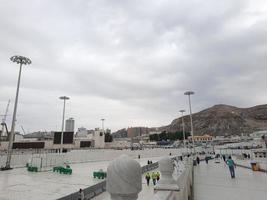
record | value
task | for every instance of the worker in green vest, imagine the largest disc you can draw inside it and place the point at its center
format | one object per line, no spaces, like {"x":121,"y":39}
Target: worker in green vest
{"x":154,"y":178}
{"x":158,"y":176}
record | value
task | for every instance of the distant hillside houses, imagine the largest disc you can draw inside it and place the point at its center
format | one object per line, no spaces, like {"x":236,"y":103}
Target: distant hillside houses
{"x":224,"y":120}
{"x":259,"y":134}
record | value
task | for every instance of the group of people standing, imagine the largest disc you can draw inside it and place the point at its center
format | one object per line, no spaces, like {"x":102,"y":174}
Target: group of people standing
{"x":149,"y":162}
{"x":229,"y":162}
{"x":155,"y":176}
{"x":206,"y":159}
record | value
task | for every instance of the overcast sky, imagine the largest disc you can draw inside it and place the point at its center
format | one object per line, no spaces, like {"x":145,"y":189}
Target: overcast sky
{"x":130,"y":61}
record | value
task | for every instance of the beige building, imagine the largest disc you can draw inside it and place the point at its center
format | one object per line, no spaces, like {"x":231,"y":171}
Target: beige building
{"x":201,"y":138}
{"x":136,"y":131}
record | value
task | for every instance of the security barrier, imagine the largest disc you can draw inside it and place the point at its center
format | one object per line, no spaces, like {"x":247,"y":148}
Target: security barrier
{"x":62,"y":170}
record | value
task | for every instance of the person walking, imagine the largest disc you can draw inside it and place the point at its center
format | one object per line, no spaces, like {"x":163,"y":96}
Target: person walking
{"x":158,"y":176}
{"x":198,"y":160}
{"x":223,"y":156}
{"x":231,"y":164}
{"x":207,"y":159}
{"x":154,"y":178}
{"x":81,"y":195}
{"x":147,"y":178}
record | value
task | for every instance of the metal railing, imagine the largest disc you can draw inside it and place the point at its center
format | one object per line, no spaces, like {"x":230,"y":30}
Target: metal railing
{"x":89,"y":192}
{"x":150,"y":167}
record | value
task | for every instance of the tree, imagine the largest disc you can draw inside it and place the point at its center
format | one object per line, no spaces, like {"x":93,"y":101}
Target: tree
{"x":154,"y":137}
{"x":172,"y":136}
{"x":163,"y":136}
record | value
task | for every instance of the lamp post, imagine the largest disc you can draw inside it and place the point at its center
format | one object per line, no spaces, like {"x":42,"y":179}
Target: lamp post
{"x":103,"y":120}
{"x":21,"y":61}
{"x":182,"y":111}
{"x":64,"y":98}
{"x":188,"y":93}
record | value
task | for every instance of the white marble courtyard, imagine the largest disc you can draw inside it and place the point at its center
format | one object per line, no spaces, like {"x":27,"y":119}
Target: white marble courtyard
{"x":20,"y":184}
{"x":212,"y":181}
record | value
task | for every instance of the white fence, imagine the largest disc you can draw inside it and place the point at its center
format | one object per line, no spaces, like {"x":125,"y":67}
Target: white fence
{"x":45,"y":162}
{"x":77,"y":156}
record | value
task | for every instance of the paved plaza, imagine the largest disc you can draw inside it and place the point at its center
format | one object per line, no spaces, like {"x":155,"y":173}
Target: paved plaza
{"x":213,"y":182}
{"x":18,"y":183}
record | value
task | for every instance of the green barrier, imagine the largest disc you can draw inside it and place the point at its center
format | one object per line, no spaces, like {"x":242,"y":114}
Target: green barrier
{"x":100,"y":175}
{"x":62,"y":170}
{"x":32,"y":169}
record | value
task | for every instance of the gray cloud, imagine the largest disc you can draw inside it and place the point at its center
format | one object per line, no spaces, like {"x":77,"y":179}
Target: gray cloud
{"x":130,"y":61}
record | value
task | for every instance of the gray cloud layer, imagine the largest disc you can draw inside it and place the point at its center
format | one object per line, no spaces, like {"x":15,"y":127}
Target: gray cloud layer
{"x":130,"y":61}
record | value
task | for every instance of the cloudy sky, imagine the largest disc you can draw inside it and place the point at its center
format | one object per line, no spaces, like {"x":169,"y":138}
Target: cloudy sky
{"x":130,"y":61}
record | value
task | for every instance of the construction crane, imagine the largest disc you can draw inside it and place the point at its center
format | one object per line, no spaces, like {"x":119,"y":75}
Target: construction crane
{"x":4,"y":120}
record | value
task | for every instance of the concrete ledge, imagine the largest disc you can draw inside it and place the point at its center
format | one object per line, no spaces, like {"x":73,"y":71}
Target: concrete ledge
{"x":166,"y":187}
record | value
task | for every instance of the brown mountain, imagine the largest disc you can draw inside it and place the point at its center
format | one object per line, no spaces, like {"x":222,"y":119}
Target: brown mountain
{"x":224,"y":120}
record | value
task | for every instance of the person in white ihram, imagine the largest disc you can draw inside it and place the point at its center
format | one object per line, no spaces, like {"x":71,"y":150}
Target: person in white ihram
{"x":81,"y":195}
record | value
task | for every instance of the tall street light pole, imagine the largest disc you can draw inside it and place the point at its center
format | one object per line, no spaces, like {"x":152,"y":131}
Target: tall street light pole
{"x":21,"y":61}
{"x":64,"y":98}
{"x":103,"y":120}
{"x":188,"y":93}
{"x":182,"y":111}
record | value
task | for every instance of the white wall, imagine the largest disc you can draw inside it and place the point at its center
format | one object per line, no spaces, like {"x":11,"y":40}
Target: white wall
{"x":18,"y":138}
{"x":99,"y":139}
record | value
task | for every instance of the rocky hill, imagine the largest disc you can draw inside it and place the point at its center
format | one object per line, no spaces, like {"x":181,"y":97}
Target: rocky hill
{"x":224,"y":120}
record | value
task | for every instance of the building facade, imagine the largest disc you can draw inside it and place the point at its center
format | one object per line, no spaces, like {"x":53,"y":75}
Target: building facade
{"x":69,"y":126}
{"x":137,"y":131}
{"x":201,"y":138}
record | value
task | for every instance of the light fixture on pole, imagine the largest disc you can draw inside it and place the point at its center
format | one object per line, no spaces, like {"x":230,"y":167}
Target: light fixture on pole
{"x":189,"y":93}
{"x":64,"y":98}
{"x":21,"y":61}
{"x":103,"y":120}
{"x":182,"y":111}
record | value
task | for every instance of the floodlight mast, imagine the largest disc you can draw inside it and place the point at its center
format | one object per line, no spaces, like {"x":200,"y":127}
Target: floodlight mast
{"x":189,"y":93}
{"x":21,"y":61}
{"x":64,"y":98}
{"x":182,"y":111}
